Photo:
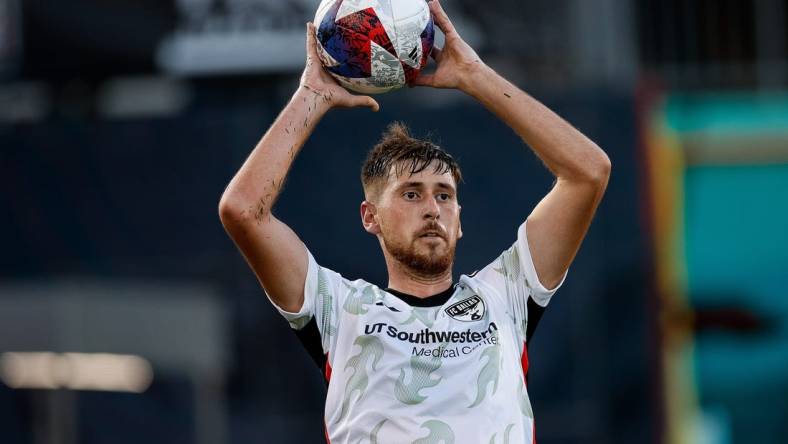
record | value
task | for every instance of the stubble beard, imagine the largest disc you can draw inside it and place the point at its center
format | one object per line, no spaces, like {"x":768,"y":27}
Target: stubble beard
{"x":433,"y":263}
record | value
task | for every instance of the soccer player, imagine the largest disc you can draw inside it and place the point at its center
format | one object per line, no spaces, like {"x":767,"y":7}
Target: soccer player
{"x":427,"y":359}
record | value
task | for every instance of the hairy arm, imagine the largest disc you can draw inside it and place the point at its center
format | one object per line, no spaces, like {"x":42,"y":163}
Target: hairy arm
{"x":271,"y":248}
{"x":558,"y":224}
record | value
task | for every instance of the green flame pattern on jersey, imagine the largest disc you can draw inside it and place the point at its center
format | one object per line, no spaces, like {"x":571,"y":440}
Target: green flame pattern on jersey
{"x":421,"y":370}
{"x":299,"y":322}
{"x":510,"y":269}
{"x":505,"y":435}
{"x":371,"y":350}
{"x":440,"y":433}
{"x":426,"y":375}
{"x":373,"y":435}
{"x":489,"y":373}
{"x":426,"y":316}
{"x":324,"y":292}
{"x":357,"y":305}
{"x":525,"y":401}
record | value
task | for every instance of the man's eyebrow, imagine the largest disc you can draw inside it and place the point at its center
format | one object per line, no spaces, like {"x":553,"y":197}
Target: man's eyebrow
{"x":415,"y":184}
{"x":445,"y":185}
{"x":410,"y":185}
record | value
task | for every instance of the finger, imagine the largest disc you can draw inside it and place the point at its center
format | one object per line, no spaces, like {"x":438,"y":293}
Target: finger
{"x":441,"y":19}
{"x":424,"y":80}
{"x":436,"y":53}
{"x":366,"y":101}
{"x":311,"y":40}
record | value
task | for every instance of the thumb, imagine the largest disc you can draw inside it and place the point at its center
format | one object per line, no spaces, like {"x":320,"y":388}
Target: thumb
{"x":366,"y":101}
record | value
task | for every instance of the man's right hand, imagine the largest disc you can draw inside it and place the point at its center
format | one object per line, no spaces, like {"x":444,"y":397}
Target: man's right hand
{"x":316,"y":80}
{"x":272,"y":249}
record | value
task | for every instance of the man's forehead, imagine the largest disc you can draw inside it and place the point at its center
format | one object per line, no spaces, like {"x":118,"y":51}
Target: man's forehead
{"x":427,"y":177}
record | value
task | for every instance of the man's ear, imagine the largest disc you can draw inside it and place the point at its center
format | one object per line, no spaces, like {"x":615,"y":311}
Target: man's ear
{"x":369,"y":217}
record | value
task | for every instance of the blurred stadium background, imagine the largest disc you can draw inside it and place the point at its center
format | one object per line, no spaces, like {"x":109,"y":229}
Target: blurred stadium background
{"x":127,"y":316}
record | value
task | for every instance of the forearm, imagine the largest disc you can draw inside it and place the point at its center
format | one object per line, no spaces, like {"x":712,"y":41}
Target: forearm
{"x":256,"y":186}
{"x":566,"y":152}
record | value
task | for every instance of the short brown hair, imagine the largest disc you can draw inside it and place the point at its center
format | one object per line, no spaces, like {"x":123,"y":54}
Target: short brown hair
{"x":407,"y":154}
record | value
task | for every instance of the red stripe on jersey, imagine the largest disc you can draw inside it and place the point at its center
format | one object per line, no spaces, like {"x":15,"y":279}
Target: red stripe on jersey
{"x":524,"y":361}
{"x":327,"y":369}
{"x":328,"y":378}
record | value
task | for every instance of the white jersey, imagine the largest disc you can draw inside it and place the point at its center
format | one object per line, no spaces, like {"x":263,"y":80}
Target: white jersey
{"x":450,"y":372}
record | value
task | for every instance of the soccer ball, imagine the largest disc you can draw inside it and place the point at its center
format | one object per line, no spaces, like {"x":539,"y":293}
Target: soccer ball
{"x":374,"y":46}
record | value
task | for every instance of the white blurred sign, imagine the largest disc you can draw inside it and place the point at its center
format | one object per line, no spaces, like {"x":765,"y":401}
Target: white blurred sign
{"x":251,"y":36}
{"x":236,"y":36}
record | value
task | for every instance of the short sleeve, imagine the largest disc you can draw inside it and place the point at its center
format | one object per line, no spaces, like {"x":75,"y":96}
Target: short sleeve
{"x":322,"y":288}
{"x":513,"y":275}
{"x":538,"y":292}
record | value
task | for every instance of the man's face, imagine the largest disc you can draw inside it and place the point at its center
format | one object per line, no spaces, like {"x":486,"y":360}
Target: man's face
{"x":417,"y":219}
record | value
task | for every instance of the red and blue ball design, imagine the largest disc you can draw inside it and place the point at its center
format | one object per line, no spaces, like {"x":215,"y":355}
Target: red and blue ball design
{"x":374,"y":46}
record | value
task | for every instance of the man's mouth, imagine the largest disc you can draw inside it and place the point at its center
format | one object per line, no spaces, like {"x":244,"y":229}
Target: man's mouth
{"x":433,"y":234}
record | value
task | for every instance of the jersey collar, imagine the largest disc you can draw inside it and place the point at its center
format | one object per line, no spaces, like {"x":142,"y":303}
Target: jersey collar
{"x":435,"y":300}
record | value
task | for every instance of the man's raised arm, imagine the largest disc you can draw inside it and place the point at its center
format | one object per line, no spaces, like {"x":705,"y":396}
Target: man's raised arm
{"x":558,"y":224}
{"x":272,"y":249}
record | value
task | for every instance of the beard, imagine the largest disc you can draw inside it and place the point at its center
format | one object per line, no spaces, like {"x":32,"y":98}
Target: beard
{"x":436,"y":260}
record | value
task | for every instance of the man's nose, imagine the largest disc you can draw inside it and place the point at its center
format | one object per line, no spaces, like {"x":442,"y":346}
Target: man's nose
{"x":431,"y":209}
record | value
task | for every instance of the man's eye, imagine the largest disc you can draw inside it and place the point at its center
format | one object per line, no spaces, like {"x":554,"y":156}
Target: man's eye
{"x":443,"y":197}
{"x":411,"y":195}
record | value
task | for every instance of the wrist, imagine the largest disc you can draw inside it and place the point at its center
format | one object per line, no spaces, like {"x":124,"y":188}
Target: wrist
{"x":477,"y":77}
{"x":317,"y":99}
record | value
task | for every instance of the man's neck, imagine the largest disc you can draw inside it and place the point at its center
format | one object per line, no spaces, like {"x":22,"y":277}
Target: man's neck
{"x":407,"y":282}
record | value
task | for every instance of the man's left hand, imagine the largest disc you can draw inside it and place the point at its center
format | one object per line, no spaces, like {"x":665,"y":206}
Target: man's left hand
{"x":457,"y":62}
